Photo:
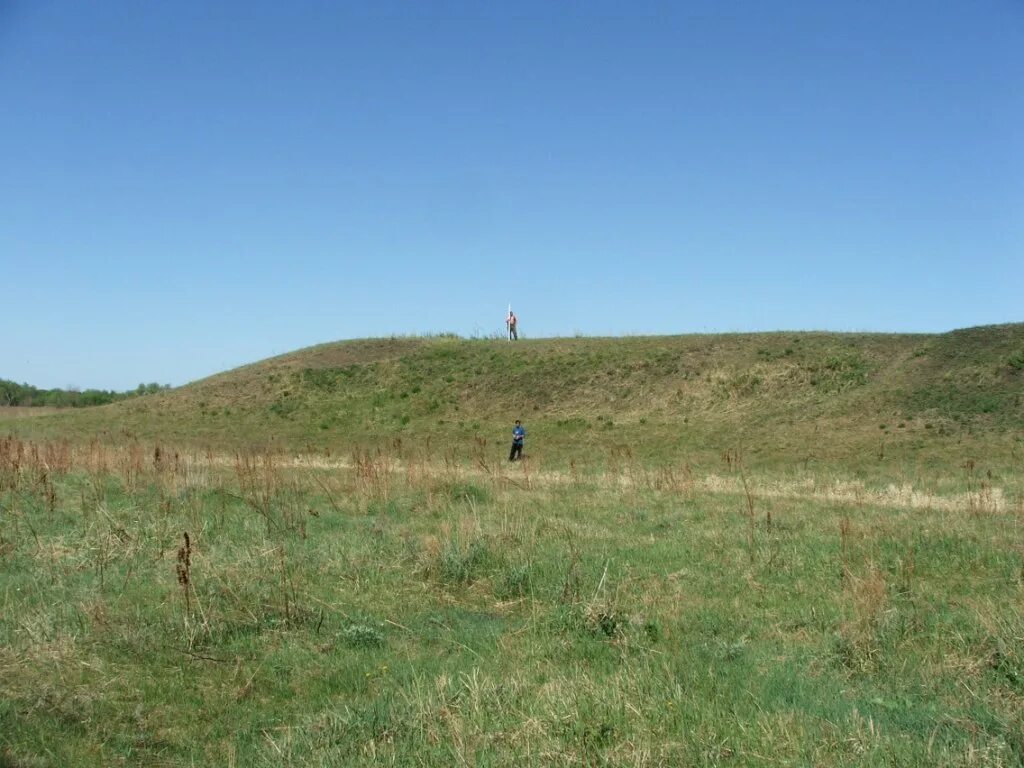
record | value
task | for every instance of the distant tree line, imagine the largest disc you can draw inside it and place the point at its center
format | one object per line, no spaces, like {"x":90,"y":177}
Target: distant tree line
{"x":12,"y":393}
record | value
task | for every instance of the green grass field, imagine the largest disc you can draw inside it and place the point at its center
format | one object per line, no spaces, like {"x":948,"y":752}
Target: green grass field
{"x":773,"y":549}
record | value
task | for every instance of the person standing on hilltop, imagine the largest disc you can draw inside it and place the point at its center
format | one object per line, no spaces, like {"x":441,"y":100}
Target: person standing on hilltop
{"x":518,"y":436}
{"x":512,"y":321}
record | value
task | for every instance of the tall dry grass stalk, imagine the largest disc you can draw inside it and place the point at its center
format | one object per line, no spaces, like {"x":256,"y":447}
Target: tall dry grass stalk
{"x":258,"y":483}
{"x":131,"y":464}
{"x":374,"y":474}
{"x":183,"y":568}
{"x":845,"y":531}
{"x":868,"y":599}
{"x":748,"y":497}
{"x":33,"y":464}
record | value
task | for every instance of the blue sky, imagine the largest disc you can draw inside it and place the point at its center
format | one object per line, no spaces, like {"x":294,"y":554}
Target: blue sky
{"x":191,"y":186}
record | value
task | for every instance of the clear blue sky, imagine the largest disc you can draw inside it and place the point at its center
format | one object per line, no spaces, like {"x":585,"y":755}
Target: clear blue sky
{"x":189,"y":186}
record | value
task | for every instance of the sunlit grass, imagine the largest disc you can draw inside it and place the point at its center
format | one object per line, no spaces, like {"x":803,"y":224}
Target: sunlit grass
{"x":395,"y":607}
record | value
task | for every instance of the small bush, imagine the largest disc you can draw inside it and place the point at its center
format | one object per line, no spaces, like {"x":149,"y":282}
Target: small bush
{"x":1006,"y":661}
{"x":652,"y":630}
{"x":463,"y":564}
{"x":839,"y":371}
{"x":362,"y":636}
{"x":514,"y":582}
{"x":463,"y":491}
{"x":603,"y":620}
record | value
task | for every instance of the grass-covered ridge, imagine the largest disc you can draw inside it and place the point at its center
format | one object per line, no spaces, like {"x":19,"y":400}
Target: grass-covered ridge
{"x":773,"y":394}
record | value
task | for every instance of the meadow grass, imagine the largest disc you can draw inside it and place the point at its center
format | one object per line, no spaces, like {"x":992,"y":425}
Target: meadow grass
{"x":747,"y":549}
{"x":409,"y":606}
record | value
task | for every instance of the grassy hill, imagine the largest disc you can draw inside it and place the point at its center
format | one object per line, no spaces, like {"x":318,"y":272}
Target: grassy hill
{"x":849,"y":593}
{"x":777,"y":397}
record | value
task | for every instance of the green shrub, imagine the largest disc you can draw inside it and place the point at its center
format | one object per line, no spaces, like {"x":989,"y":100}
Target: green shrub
{"x":466,"y":491}
{"x":514,"y":582}
{"x":464,"y":564}
{"x":839,"y":371}
{"x":362,"y":636}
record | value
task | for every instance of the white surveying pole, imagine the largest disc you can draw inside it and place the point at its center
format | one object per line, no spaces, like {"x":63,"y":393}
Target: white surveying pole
{"x":508,"y":323}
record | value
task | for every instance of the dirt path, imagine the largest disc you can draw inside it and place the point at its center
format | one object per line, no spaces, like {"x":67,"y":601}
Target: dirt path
{"x":832,"y":492}
{"x":838,"y":492}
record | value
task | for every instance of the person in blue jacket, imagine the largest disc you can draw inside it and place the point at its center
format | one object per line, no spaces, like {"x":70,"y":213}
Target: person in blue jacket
{"x":518,"y":436}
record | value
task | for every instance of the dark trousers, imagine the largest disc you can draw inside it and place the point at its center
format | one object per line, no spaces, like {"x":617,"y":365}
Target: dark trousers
{"x":517,"y":452}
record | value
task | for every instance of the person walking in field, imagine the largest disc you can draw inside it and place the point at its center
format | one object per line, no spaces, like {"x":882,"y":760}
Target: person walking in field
{"x":512,"y":321}
{"x":518,"y":436}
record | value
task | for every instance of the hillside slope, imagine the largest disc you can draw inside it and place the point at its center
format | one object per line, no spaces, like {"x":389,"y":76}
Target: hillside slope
{"x":775,"y":396}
